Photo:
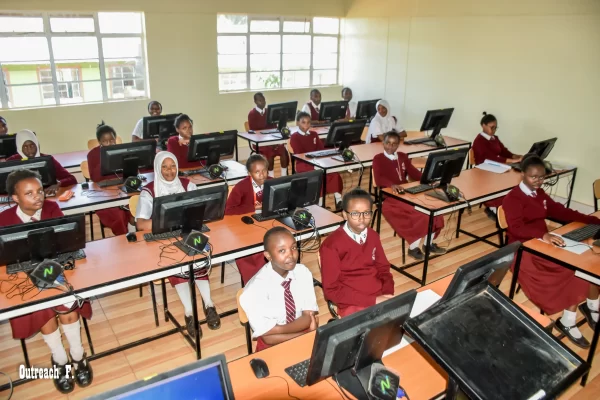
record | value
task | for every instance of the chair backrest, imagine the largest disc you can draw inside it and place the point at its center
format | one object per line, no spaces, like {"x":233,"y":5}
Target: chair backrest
{"x":363,"y":137}
{"x":501,"y":218}
{"x":373,"y":178}
{"x":133,"y":203}
{"x":289,"y":147}
{"x":94,"y":142}
{"x":241,"y":313}
{"x":471,"y":157}
{"x":246,"y":126}
{"x":85,"y":170}
{"x":596,"y":186}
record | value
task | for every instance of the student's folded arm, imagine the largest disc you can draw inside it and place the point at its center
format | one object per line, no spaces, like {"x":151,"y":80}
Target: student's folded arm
{"x":515,"y":219}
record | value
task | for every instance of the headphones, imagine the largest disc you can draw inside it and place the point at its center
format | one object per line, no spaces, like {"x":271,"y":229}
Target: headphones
{"x":132,"y":184}
{"x":439,"y":140}
{"x":215,"y":171}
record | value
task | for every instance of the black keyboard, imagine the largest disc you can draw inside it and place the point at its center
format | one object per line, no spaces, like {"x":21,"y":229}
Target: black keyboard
{"x":4,"y":199}
{"x":110,"y":182}
{"x":269,"y":131}
{"x":201,"y":171}
{"x":28,"y":266}
{"x":419,"y":141}
{"x":320,"y":124}
{"x":583,"y":233}
{"x":261,"y":218}
{"x":298,"y":372}
{"x":322,"y":153}
{"x":418,"y":189}
{"x":150,"y":237}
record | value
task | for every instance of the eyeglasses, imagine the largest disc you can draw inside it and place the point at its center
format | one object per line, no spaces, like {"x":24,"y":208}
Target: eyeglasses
{"x":494,"y":128}
{"x":356,"y":215}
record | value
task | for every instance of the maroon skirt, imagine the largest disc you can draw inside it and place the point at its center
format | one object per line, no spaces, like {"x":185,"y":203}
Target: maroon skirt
{"x":345,"y":311}
{"x":28,"y":325}
{"x":407,"y":222}
{"x":114,"y":218}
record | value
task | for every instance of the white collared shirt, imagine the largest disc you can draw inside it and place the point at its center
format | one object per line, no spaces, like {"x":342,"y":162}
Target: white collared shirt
{"x":26,"y":218}
{"x":392,"y":157}
{"x":485,"y":135}
{"x":356,"y":237}
{"x":526,"y":190}
{"x":263,"y":297}
{"x":352,"y":106}
{"x":306,"y":108}
{"x":302,"y":133}
{"x":139,"y":129}
{"x":256,"y":187}
{"x":260,"y":111}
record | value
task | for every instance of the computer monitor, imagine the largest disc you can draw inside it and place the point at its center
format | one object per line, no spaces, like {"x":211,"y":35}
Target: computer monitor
{"x":43,"y":165}
{"x":203,"y":379}
{"x":212,"y":146}
{"x":281,"y":113}
{"x":159,"y":127}
{"x":347,"y":347}
{"x":43,"y":239}
{"x":8,"y":145}
{"x":542,"y":149}
{"x":491,"y":267}
{"x":442,"y":166}
{"x":127,"y":158}
{"x":436,"y":120}
{"x":345,"y":133}
{"x":366,"y":109}
{"x":281,"y":196}
{"x":333,"y":110}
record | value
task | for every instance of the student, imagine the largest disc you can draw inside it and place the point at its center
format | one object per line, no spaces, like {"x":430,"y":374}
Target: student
{"x":305,"y":141}
{"x":246,"y":197}
{"x":117,"y":219}
{"x":179,"y":145}
{"x":29,"y":147}
{"x":313,"y":107}
{"x":383,"y":122}
{"x":25,"y":188}
{"x":347,"y":96}
{"x":167,"y":182}
{"x":392,"y":169}
{"x":154,"y":109}
{"x":487,"y":146}
{"x":355,"y":271}
{"x":257,"y":120}
{"x":3,"y":126}
{"x":551,"y":287}
{"x":280,"y":299}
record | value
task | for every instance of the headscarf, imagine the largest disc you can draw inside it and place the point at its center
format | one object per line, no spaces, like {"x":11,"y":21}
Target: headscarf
{"x":162,"y":187}
{"x":387,"y":123}
{"x":23,"y":136}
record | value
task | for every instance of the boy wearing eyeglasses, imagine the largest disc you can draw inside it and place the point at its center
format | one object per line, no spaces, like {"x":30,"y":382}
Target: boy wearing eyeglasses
{"x":354,"y":268}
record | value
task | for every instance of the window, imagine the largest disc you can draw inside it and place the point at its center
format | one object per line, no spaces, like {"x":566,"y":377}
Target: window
{"x":59,"y":58}
{"x":258,"y":53}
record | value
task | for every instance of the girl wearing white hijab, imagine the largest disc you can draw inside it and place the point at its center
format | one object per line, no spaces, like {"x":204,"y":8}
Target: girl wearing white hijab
{"x":382,"y":123}
{"x":167,"y":182}
{"x":28,"y":147}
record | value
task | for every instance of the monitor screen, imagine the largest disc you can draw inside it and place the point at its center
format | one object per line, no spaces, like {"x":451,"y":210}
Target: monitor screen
{"x":8,"y":145}
{"x":112,"y":158}
{"x":436,"y":119}
{"x":333,"y":110}
{"x":278,"y":110}
{"x":449,"y":161}
{"x":43,"y":165}
{"x":366,"y":109}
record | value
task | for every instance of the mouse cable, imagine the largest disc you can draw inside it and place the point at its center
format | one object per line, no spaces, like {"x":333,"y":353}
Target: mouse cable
{"x":10,"y":382}
{"x":337,"y":390}
{"x":286,"y":384}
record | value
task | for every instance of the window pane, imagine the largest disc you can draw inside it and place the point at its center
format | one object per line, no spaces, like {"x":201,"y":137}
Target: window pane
{"x":72,"y":24}
{"x":233,"y":63}
{"x":296,"y":26}
{"x":122,"y":47}
{"x":296,"y":61}
{"x":21,"y":24}
{"x":264,"y":62}
{"x":74,"y":48}
{"x":326,"y":25}
{"x":325,"y":45}
{"x":28,"y":96}
{"x":120,"y":22}
{"x":232,"y":24}
{"x":323,"y":61}
{"x":265,"y":80}
{"x":23,"y":73}
{"x":87,"y":70}
{"x":232,"y":82}
{"x":296,"y":44}
{"x":296,"y":79}
{"x":24,"y":49}
{"x":91,"y":91}
{"x":130,"y":70}
{"x":264,"y":26}
{"x":231,"y":44}
{"x":125,"y":88}
{"x":325,"y":77}
{"x":265,"y":44}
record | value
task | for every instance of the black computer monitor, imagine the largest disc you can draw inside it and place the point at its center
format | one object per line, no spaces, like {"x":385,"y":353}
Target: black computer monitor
{"x":159,"y":127}
{"x":345,"y":133}
{"x":205,"y":379}
{"x":281,"y":113}
{"x":347,"y":347}
{"x":283,"y":195}
{"x":542,"y":149}
{"x":491,"y":267}
{"x":43,"y":165}
{"x":333,"y":110}
{"x":442,"y":166}
{"x":43,"y":239}
{"x":8,"y":145}
{"x":366,"y":109}
{"x":127,"y":158}
{"x":212,"y":146}
{"x":436,"y":120}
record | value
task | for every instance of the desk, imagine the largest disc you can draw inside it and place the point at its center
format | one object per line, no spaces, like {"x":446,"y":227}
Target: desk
{"x":477,"y":186}
{"x":586,"y":266}
{"x":71,"y":161}
{"x":259,"y":139}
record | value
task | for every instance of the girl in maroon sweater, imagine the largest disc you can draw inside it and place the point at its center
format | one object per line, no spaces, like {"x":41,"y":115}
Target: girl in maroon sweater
{"x":179,"y":145}
{"x":550,"y":286}
{"x":354,"y":268}
{"x":390,"y":170}
{"x":25,"y":188}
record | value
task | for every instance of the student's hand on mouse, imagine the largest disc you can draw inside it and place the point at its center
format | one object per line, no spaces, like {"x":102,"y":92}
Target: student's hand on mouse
{"x":51,"y":190}
{"x":397,"y":189}
{"x":553,"y":239}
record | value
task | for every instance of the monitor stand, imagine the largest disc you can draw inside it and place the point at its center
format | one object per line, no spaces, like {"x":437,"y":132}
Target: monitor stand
{"x":289,"y":222}
{"x":445,"y":191}
{"x":41,"y":245}
{"x":130,"y":167}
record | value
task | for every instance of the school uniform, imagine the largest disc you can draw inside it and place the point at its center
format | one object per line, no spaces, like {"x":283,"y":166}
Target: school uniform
{"x":487,"y":147}
{"x":302,"y":142}
{"x":354,"y":269}
{"x":312,"y":109}
{"x":380,"y":125}
{"x":63,"y":177}
{"x":550,"y":286}
{"x":257,"y":120}
{"x":28,"y":325}
{"x":409,"y":223}
{"x":351,"y":110}
{"x":139,"y":129}
{"x":265,"y":303}
{"x":181,"y":152}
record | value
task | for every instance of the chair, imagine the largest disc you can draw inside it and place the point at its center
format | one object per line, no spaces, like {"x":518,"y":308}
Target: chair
{"x":244,"y":320}
{"x":596,"y":186}
{"x":365,"y":132}
{"x":246,"y":126}
{"x":503,"y":226}
{"x":471,"y":158}
{"x":330,"y":304}
{"x":94,"y":142}
{"x":85,"y":171}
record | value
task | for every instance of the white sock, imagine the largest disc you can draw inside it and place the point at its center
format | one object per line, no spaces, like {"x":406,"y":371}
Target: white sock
{"x":283,"y":171}
{"x":493,"y":209}
{"x":130,"y":228}
{"x":428,"y":240}
{"x":183,"y":291}
{"x":321,"y":201}
{"x":73,"y":335}
{"x":54,"y":342}
{"x":594,"y":306}
{"x":414,"y":244}
{"x":338,"y":197}
{"x":568,"y":319}
{"x":271,"y":174}
{"x":204,"y":288}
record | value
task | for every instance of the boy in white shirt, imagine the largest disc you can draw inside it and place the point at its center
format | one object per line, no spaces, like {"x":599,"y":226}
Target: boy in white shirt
{"x":347,"y":96}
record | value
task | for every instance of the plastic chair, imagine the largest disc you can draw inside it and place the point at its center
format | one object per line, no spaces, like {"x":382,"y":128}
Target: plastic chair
{"x":471,"y":158}
{"x":85,"y":171}
{"x":246,"y":126}
{"x":94,"y":142}
{"x":244,"y":320}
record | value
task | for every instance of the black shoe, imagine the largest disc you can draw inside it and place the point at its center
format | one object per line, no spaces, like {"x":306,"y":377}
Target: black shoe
{"x":338,"y":205}
{"x":84,"y":375}
{"x":212,"y":318}
{"x":435,"y":249}
{"x":416,"y":253}
{"x":189,"y":324}
{"x":63,"y":383}
{"x":581,"y":342}
{"x":587,"y":313}
{"x":490,"y":214}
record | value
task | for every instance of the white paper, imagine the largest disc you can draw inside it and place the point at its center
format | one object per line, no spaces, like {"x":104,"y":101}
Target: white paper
{"x":493,"y":166}
{"x":424,"y":300}
{"x":572,"y":246}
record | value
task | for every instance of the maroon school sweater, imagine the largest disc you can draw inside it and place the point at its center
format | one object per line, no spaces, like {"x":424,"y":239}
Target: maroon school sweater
{"x":492,"y":149}
{"x":181,"y":153}
{"x":314,"y":114}
{"x":257,"y":122}
{"x":305,"y":144}
{"x":49,"y":210}
{"x":241,"y":199}
{"x":385,"y":170}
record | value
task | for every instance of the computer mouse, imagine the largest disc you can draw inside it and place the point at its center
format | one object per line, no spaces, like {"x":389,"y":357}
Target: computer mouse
{"x":259,"y":367}
{"x":131,"y":237}
{"x":247,"y":220}
{"x":85,"y":186}
{"x":251,"y":132}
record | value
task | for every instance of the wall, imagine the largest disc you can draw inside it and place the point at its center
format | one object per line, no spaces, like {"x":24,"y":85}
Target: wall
{"x":533,"y":64}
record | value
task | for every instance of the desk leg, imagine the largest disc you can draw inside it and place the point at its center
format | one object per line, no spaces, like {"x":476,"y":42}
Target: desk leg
{"x":195,"y":311}
{"x":293,"y":162}
{"x":513,"y":283}
{"x":452,"y":390}
{"x":427,"y":252}
{"x":237,"y":153}
{"x":460,"y":214}
{"x":571,"y":188}
{"x":379,"y":197}
{"x":163,"y":287}
{"x":325,"y":189}
{"x":370,"y":180}
{"x":592,"y":352}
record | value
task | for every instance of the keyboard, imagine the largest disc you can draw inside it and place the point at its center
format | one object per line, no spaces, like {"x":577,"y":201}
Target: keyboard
{"x":584,"y":233}
{"x":319,"y":124}
{"x":110,"y":182}
{"x":28,"y":266}
{"x":298,"y":372}
{"x":424,"y":140}
{"x":4,"y":199}
{"x":150,"y":237}
{"x":269,"y":131}
{"x":261,"y":218}
{"x":417,"y":189}
{"x":200,"y":171}
{"x":322,"y":153}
